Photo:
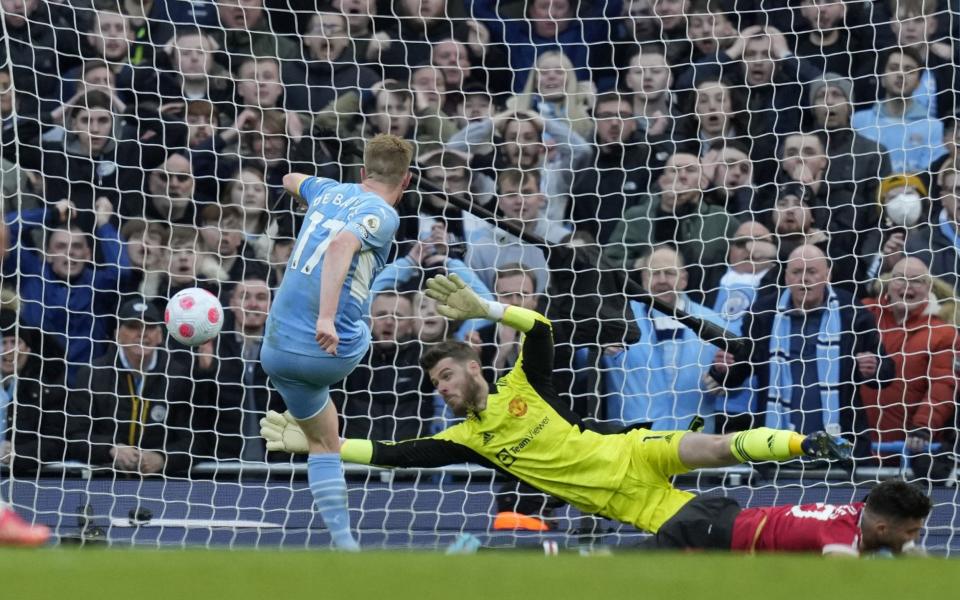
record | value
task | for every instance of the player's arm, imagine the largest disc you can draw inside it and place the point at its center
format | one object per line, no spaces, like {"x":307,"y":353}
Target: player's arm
{"x":283,"y":434}
{"x":292,"y":182}
{"x":456,"y":301}
{"x":336,"y":264}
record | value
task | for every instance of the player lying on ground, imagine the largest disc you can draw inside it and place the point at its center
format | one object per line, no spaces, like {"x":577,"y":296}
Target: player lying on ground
{"x":521,"y":429}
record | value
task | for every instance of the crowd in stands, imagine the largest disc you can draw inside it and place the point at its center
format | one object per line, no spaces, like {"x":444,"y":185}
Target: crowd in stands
{"x":787,"y":170}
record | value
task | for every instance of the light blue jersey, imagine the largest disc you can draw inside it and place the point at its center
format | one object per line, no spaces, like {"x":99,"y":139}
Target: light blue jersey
{"x":333,"y":207}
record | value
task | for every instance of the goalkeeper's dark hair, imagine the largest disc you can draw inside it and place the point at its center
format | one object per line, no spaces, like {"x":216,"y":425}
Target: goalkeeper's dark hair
{"x":458,"y":351}
{"x":896,"y":499}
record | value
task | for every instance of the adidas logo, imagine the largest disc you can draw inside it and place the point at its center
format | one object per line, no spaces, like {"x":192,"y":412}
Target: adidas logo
{"x":487,"y":436}
{"x":770,"y":443}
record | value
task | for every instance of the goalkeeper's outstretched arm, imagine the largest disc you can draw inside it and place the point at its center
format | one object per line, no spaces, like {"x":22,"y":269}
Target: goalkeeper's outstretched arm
{"x":283,"y":434}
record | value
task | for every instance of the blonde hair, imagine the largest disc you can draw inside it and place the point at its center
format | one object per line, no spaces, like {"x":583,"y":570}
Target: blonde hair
{"x":577,"y":95}
{"x":386,"y":159}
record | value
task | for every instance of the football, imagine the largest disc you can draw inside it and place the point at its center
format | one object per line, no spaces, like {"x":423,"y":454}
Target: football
{"x":193,"y":316}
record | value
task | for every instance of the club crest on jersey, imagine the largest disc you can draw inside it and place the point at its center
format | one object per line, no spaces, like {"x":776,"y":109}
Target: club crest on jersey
{"x":517,"y":407}
{"x":371,"y":223}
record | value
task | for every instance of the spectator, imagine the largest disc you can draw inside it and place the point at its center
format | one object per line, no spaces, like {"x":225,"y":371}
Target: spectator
{"x":393,"y":112}
{"x":657,"y":379}
{"x":431,"y":253}
{"x":188,"y":266}
{"x":259,"y":84}
{"x":548,"y":25}
{"x":32,"y":400}
{"x":450,"y":172}
{"x":244,"y":30}
{"x":711,"y":26}
{"x":148,"y":248}
{"x":855,"y":164}
{"x":246,"y":189}
{"x":849,"y":219}
{"x":229,"y":419}
{"x":620,"y":169}
{"x":170,"y":193}
{"x":515,"y":285}
{"x":100,"y":157}
{"x":829,"y":41}
{"x":677,"y":214}
{"x":430,"y":93}
{"x":903,"y":200}
{"x":751,"y":269}
{"x":648,"y":80}
{"x":814,"y":347}
{"x":519,"y":201}
{"x":944,"y":241}
{"x":553,"y":92}
{"x":63,"y":292}
{"x":222,"y":240}
{"x":40,"y":46}
{"x":476,"y":104}
{"x":918,"y":405}
{"x":793,"y":222}
{"x":760,"y":60}
{"x":729,"y":174}
{"x":662,"y":20}
{"x":915,"y":24}
{"x":718,"y":119}
{"x":107,"y":40}
{"x":898,"y":122}
{"x":132,"y":409}
{"x":361,"y":28}
{"x":331,"y":69}
{"x":387,"y":396}
{"x":519,"y":142}
{"x":423,"y":25}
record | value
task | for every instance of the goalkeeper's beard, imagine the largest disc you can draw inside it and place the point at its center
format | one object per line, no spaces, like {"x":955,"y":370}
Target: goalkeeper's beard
{"x":471,"y":398}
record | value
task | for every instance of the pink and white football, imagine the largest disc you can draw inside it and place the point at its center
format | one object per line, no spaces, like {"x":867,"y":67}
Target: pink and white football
{"x":193,"y":316}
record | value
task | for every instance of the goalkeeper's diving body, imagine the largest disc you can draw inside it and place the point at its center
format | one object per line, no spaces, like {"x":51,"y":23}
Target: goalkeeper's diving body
{"x":316,"y":332}
{"x":522,"y":429}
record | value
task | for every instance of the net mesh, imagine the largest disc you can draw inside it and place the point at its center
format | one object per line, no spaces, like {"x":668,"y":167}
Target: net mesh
{"x":783,"y":170}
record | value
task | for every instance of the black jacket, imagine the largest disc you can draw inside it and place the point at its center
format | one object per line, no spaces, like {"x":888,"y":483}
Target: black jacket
{"x":36,"y":425}
{"x":107,"y":410}
{"x":618,"y":178}
{"x":387,"y":397}
{"x":218,"y":418}
{"x":311,"y":87}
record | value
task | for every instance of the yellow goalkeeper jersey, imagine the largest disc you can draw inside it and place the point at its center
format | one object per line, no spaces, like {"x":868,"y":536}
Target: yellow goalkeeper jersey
{"x":525,"y":432}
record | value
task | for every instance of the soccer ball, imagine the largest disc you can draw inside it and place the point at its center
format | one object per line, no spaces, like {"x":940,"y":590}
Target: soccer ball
{"x":193,"y":316}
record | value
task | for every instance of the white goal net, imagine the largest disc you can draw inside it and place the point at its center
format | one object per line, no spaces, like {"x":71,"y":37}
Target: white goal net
{"x":785,"y":171}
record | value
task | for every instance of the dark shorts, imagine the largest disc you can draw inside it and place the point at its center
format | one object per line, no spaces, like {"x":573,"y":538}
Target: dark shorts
{"x":704,"y":523}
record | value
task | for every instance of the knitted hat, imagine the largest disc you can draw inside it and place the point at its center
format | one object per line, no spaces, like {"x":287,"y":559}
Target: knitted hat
{"x":903,"y":180}
{"x":833,"y":80}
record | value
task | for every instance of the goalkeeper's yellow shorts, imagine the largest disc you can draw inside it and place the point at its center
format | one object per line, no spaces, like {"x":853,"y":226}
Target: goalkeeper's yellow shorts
{"x":646,"y":497}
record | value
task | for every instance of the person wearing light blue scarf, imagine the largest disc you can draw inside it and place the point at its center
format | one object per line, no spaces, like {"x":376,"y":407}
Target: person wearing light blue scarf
{"x":815,"y":345}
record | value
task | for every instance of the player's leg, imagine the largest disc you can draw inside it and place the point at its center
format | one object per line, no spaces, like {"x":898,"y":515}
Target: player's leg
{"x":699,"y":450}
{"x":325,"y":474}
{"x":303,"y":382}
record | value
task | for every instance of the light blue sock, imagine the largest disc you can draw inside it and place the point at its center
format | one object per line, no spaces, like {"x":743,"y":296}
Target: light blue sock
{"x":329,"y":489}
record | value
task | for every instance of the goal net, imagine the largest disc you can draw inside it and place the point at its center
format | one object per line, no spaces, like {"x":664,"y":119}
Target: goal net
{"x":783,"y":172}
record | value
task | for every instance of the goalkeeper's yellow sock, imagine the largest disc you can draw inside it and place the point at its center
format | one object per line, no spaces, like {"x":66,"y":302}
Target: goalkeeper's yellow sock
{"x":764,"y":443}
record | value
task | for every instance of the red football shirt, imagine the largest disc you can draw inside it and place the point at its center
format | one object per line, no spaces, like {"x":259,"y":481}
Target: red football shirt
{"x":799,"y":528}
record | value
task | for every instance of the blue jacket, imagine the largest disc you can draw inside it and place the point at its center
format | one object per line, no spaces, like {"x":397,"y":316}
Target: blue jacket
{"x":76,"y":314}
{"x":659,"y":380}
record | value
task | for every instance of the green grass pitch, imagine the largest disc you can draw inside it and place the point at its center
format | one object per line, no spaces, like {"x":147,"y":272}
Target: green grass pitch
{"x":74,"y":574}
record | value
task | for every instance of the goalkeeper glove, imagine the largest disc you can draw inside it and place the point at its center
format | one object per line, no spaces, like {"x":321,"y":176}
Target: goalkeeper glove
{"x":457,"y":302}
{"x":282,"y":433}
